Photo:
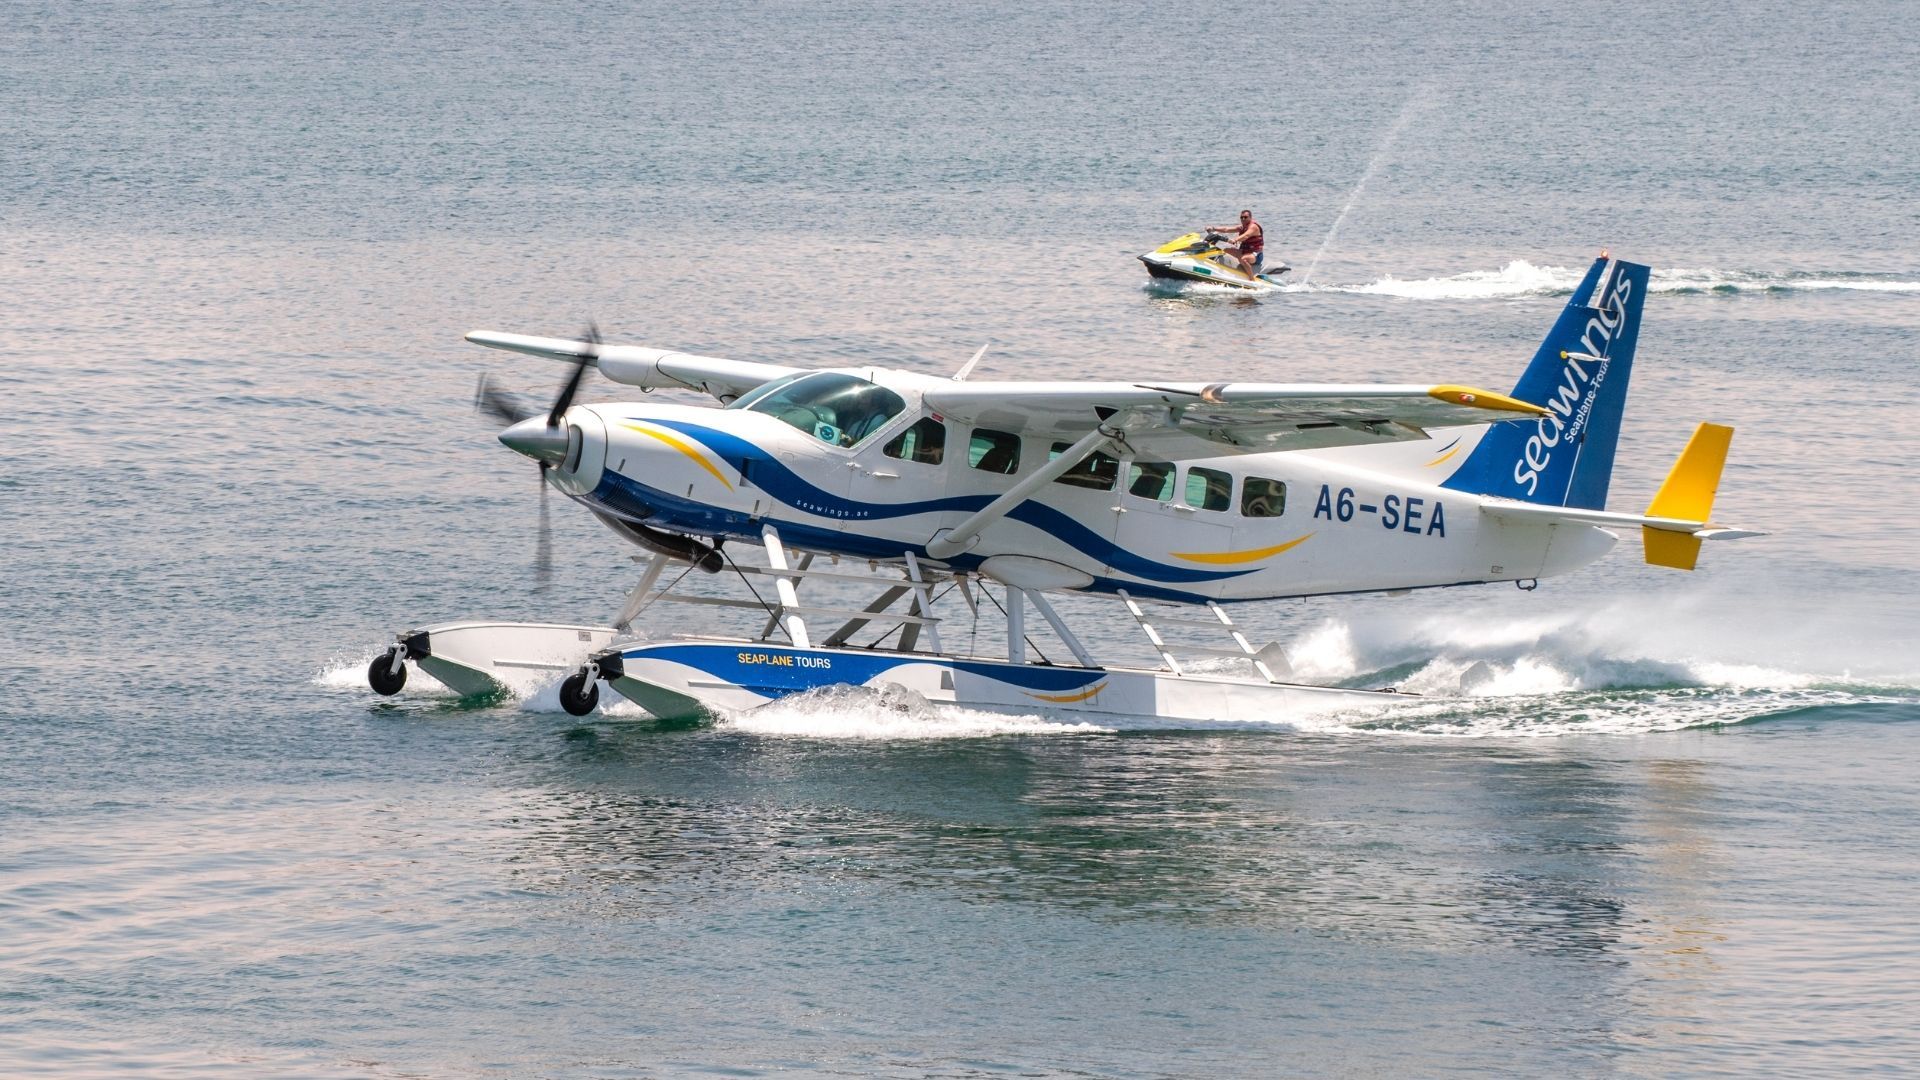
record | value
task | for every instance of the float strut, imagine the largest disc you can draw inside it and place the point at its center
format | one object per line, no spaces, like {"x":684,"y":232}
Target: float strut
{"x":1017,"y":624}
{"x":1045,"y":608}
{"x":789,"y":596}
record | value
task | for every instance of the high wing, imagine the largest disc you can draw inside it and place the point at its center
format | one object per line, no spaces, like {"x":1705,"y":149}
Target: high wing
{"x":653,"y":369}
{"x":1230,"y":417}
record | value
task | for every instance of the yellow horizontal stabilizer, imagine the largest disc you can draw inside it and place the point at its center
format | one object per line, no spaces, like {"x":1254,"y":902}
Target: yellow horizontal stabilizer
{"x":1676,"y":549}
{"x":1687,"y":494}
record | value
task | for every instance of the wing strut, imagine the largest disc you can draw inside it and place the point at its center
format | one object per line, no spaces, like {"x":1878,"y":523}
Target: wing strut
{"x":946,"y":545}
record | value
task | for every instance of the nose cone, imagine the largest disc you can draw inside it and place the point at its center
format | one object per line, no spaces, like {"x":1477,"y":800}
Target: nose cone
{"x":536,"y":440}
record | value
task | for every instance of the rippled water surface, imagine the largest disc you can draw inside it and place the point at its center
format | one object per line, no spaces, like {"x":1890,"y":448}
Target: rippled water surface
{"x":1669,"y":826}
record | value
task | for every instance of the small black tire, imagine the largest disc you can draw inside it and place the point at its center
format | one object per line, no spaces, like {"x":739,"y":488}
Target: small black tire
{"x":382,"y":676}
{"x":577,"y":695}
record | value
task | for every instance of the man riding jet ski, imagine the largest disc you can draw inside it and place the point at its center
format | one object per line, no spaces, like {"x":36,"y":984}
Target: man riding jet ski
{"x":1232,"y":255}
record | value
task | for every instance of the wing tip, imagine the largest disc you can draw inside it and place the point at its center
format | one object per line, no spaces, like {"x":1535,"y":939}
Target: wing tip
{"x":1474,"y":397}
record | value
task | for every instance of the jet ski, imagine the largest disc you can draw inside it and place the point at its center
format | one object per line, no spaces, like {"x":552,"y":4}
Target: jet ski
{"x":1202,"y":257}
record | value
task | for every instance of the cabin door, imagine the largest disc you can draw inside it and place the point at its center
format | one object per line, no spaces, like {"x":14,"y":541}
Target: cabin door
{"x":1169,"y":519}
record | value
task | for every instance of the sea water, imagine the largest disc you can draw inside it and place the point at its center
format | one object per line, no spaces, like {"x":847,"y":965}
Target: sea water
{"x":1637,"y":821}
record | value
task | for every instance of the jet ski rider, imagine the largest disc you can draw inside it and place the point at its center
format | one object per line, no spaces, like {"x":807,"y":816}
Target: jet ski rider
{"x":1246,"y":242}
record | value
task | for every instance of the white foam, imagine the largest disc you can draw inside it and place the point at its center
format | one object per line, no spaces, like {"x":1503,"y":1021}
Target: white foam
{"x":887,"y":712}
{"x":1583,"y":666}
{"x":1521,"y":278}
{"x":1164,"y":287}
{"x":1325,"y":653}
{"x":542,"y":695}
{"x":1864,"y":286}
{"x":533,"y":692}
{"x":1601,"y":667}
{"x":1709,"y":280}
{"x":340,"y":673}
{"x":1517,"y":278}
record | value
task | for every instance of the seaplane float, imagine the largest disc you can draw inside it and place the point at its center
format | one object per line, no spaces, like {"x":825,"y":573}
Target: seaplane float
{"x":1158,"y":497}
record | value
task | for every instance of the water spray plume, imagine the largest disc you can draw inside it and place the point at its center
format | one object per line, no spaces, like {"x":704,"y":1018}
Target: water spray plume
{"x":1379,"y":156}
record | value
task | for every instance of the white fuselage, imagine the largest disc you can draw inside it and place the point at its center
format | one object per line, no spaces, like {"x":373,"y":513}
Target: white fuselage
{"x":1223,"y":527}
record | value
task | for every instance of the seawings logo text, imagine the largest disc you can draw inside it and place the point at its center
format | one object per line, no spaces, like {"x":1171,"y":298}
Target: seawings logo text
{"x":1572,"y":401}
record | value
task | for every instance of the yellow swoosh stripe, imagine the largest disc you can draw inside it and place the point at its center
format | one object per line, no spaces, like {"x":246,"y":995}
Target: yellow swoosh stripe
{"x":1066,"y":699}
{"x":1443,"y":457}
{"x":681,"y":445}
{"x":1224,"y":557}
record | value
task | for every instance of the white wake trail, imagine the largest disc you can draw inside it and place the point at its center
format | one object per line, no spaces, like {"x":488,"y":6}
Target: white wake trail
{"x":1520,"y":278}
{"x":1619,"y":668}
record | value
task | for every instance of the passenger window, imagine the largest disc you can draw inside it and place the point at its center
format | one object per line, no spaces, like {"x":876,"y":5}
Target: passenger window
{"x":1097,"y":470}
{"x":925,"y":442}
{"x":1262,"y":498}
{"x":1150,"y":480}
{"x":1209,"y":489}
{"x":994,"y":451}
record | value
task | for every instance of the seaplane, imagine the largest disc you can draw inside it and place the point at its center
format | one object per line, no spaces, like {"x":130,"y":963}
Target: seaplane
{"x":1172,"y":500}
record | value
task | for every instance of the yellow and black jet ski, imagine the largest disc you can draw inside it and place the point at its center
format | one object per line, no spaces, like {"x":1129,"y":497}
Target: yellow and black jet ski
{"x":1202,"y":257}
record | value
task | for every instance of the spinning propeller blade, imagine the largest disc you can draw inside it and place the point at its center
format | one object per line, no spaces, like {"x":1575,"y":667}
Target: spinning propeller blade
{"x":513,"y":411}
{"x":490,"y":400}
{"x":589,"y":353}
{"x":543,"y":545}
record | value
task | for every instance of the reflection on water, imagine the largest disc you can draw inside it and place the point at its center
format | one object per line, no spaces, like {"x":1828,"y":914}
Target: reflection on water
{"x":1517,"y":848}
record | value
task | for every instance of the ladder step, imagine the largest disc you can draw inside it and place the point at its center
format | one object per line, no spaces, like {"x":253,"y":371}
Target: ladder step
{"x":836,"y":575}
{"x":1179,"y":620}
{"x":1208,"y":650}
{"x":804,"y":610}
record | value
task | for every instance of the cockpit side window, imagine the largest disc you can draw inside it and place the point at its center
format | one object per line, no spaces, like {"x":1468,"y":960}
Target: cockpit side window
{"x":838,"y":409}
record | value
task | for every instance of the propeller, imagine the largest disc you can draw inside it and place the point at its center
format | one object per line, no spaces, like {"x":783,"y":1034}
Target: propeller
{"x":540,"y":438}
{"x":508,"y":408}
{"x":589,"y":353}
{"x":544,"y":443}
{"x":543,"y":542}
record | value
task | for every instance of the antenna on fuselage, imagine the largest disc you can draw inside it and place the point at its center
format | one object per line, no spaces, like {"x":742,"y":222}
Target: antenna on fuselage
{"x":966,"y":369}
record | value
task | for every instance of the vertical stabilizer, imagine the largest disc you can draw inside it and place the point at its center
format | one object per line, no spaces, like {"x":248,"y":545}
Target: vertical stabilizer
{"x":1580,"y":376}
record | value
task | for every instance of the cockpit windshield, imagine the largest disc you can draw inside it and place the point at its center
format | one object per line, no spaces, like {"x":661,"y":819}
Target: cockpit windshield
{"x":837,"y":409}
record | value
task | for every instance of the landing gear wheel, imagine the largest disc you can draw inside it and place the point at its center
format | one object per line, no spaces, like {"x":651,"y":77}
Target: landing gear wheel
{"x":579,"y":696}
{"x":384,"y":677}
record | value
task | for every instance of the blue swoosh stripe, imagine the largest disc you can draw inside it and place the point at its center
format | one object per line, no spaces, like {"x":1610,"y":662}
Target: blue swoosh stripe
{"x":723,"y":662}
{"x":784,"y":484}
{"x":788,"y":487}
{"x":629,"y":498}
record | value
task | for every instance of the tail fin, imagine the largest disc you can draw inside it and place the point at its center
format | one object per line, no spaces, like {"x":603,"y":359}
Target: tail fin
{"x":1674,"y":525}
{"x":1580,"y":375}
